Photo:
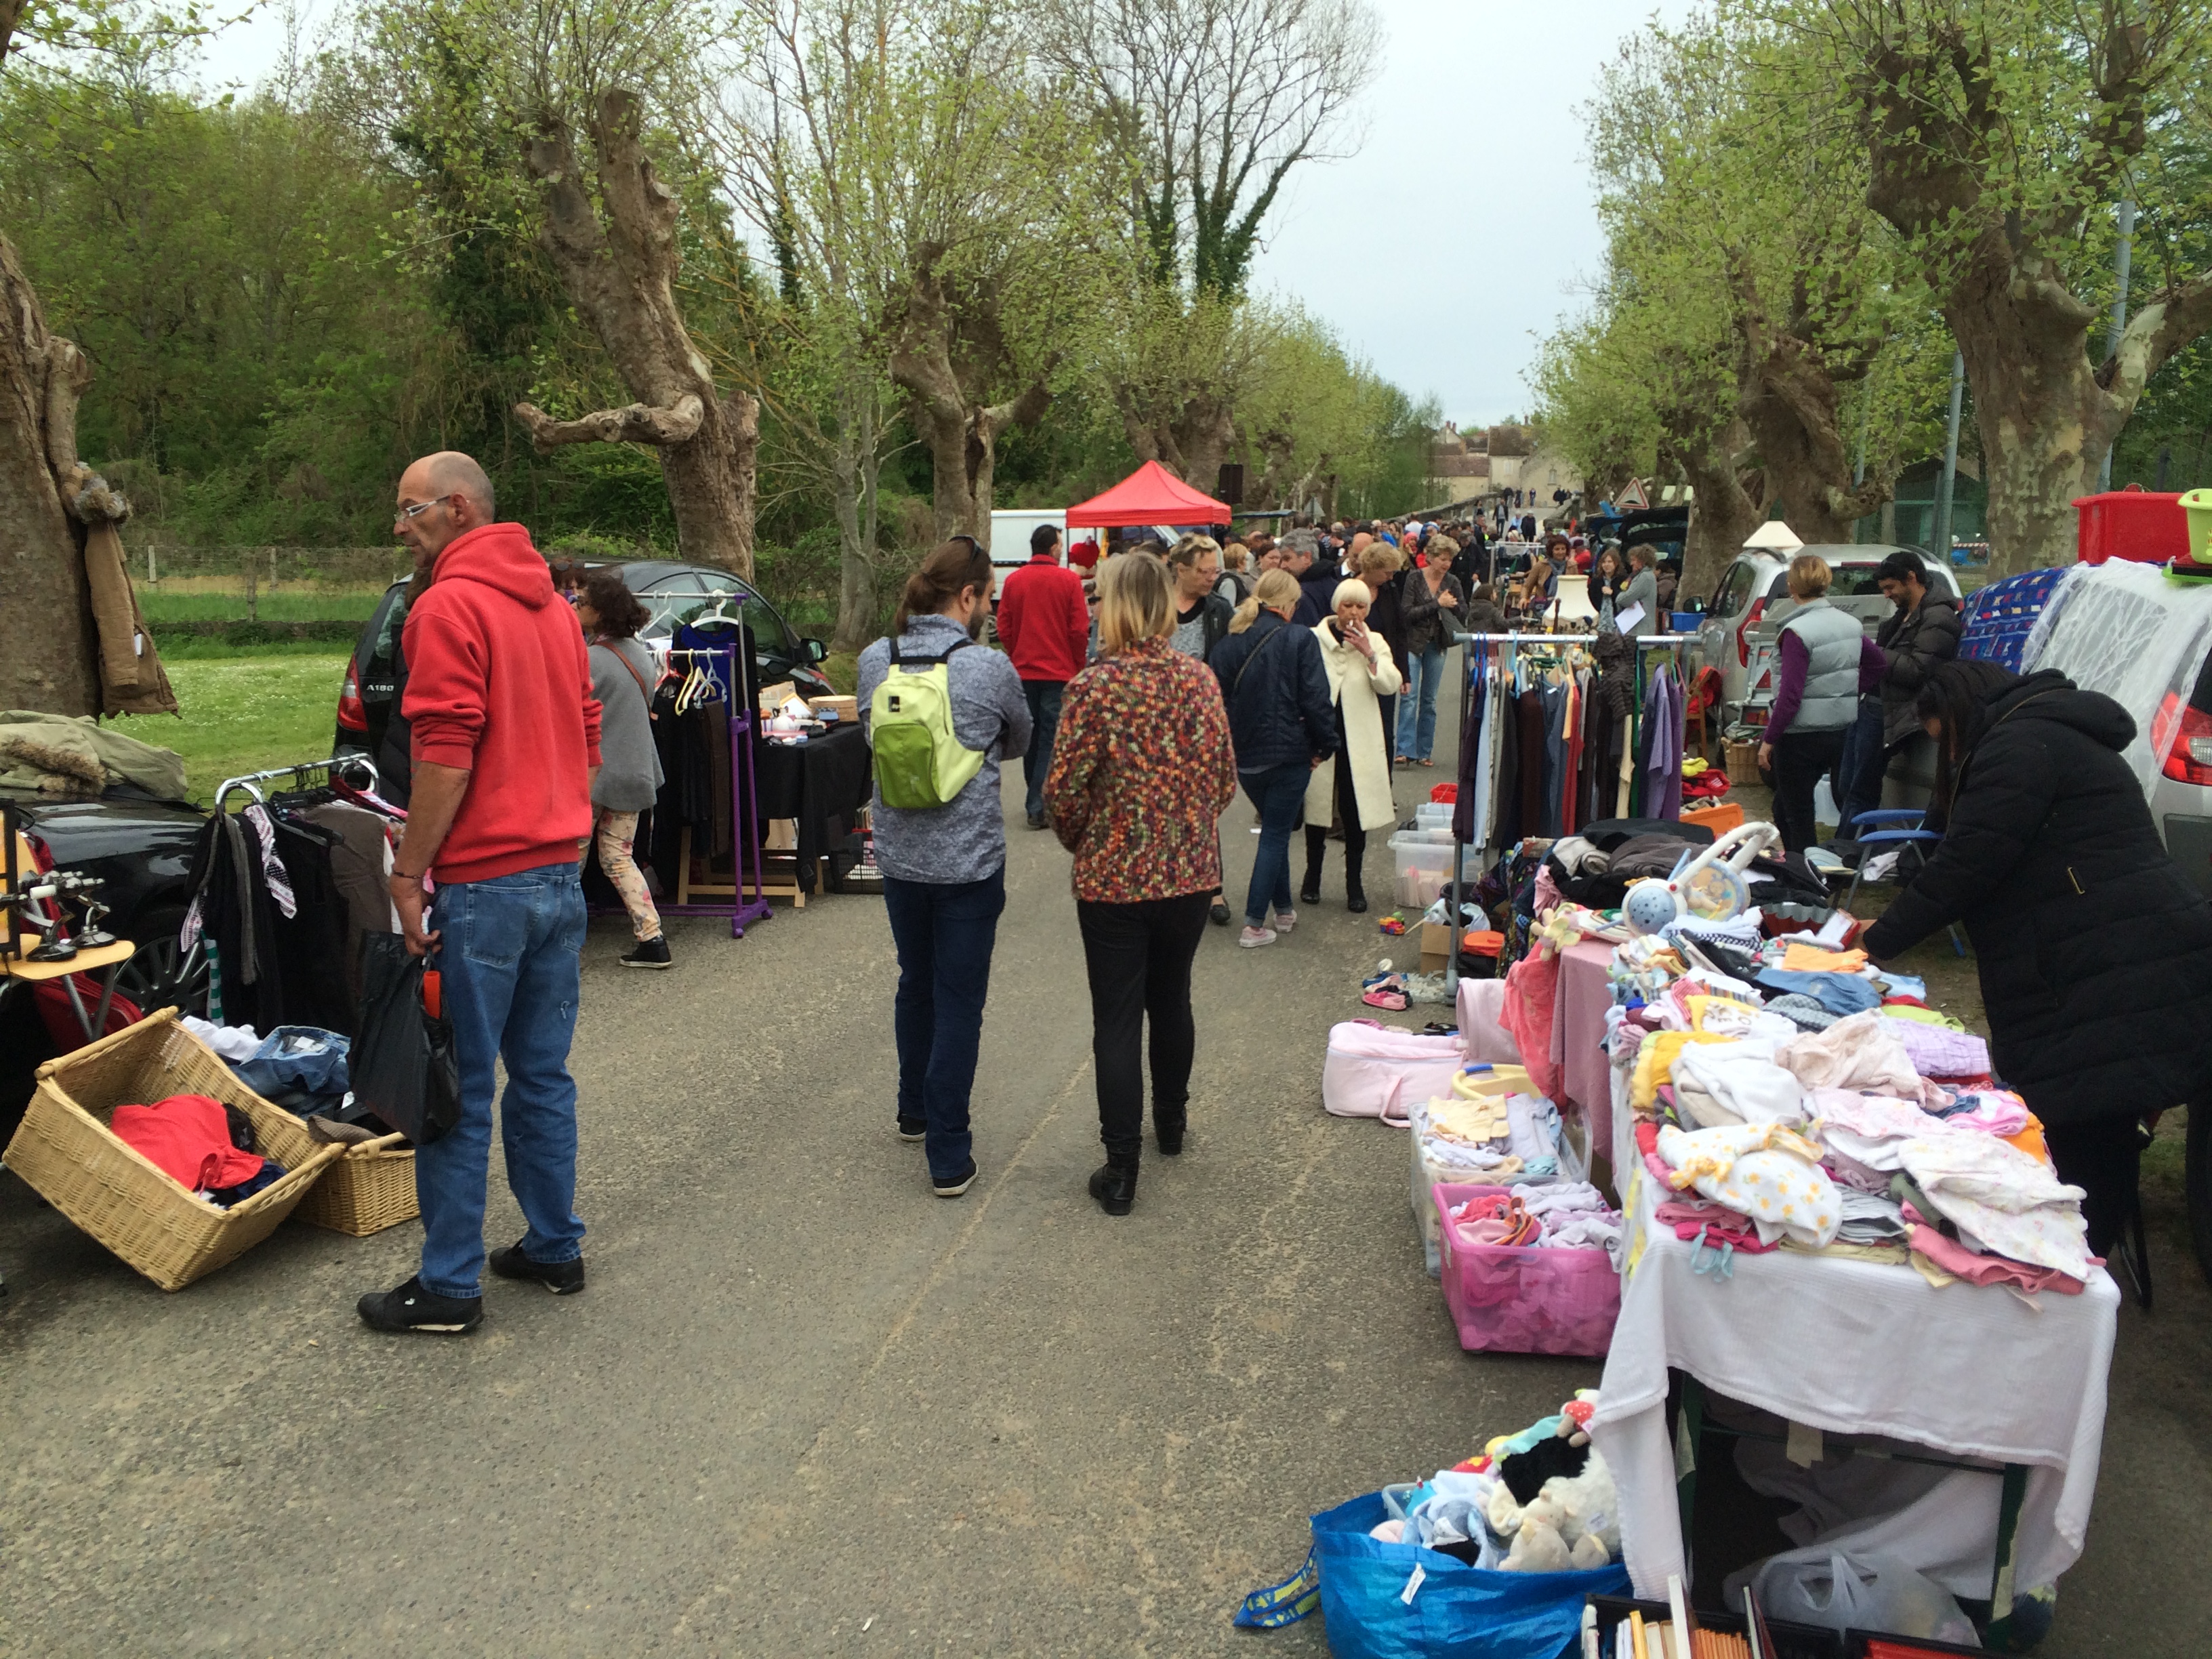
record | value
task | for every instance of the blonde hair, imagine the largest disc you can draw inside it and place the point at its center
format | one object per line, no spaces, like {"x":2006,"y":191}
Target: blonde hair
{"x":1233,"y":557}
{"x":1275,"y":590}
{"x":1135,"y":602}
{"x":1186,"y":551}
{"x":1379,"y":556}
{"x":1353,"y":591}
{"x":1810,"y":576}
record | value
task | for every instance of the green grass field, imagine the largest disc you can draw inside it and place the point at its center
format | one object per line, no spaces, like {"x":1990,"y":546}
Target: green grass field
{"x":344,"y":606}
{"x":244,"y":714}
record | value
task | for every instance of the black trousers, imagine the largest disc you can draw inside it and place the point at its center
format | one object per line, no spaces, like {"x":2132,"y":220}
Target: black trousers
{"x":1801,"y":759}
{"x":1139,"y":956}
{"x":1355,"y":838}
{"x":2102,"y":1156}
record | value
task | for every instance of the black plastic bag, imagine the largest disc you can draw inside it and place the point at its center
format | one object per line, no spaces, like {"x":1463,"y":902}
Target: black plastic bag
{"x":404,"y":1066}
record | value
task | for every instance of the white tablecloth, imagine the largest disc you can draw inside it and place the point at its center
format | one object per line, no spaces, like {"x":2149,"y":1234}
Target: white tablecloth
{"x":1857,"y":1348}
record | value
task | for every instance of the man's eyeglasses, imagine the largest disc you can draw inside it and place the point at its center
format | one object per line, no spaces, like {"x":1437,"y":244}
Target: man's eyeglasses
{"x":411,"y":513}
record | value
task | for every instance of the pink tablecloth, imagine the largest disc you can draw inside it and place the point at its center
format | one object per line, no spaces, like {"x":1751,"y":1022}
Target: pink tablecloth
{"x":1578,"y":1031}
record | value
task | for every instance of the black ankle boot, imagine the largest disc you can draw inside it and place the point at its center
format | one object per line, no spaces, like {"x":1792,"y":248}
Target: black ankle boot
{"x":1310,"y":890}
{"x":1114,"y":1186}
{"x":1168,"y":1133}
{"x":1355,"y":897}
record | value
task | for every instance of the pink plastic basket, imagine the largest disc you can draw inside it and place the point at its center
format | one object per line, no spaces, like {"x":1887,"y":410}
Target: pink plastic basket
{"x":1514,"y":1299}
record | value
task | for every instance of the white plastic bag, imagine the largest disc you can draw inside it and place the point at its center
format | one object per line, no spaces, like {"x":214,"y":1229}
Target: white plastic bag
{"x":1821,"y":1586}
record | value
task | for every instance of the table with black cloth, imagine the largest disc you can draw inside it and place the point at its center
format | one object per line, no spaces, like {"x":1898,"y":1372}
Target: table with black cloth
{"x":823,"y":785}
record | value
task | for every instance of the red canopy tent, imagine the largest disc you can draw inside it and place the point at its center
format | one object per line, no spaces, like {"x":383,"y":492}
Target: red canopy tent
{"x":1151,"y":494}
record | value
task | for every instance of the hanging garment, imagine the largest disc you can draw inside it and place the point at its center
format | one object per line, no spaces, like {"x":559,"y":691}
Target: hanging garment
{"x":1662,"y":719}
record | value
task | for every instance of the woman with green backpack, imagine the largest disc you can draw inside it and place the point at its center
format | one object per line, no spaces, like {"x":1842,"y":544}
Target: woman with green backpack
{"x":940,"y":712}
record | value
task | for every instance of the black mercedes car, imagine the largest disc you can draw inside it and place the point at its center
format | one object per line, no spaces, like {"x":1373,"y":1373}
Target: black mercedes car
{"x":673,"y":592}
{"x":140,"y":847}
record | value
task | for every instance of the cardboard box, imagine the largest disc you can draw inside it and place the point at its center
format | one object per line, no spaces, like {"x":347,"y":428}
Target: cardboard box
{"x":772,"y":697}
{"x":849,"y":709}
{"x":1436,"y":941}
{"x":782,"y":836}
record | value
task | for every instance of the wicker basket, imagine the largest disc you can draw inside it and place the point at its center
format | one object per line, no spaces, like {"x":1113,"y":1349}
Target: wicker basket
{"x":1743,"y":762}
{"x":66,"y":1151}
{"x":370,"y":1187}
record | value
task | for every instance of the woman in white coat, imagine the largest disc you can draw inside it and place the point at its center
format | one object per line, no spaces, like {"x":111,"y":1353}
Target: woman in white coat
{"x":1354,"y":782}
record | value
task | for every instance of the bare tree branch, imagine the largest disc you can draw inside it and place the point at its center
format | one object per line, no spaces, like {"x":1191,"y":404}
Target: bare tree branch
{"x":634,"y":423}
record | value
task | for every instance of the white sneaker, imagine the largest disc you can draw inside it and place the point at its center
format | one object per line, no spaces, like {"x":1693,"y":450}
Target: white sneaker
{"x":1252,"y":938}
{"x":1285,"y":919}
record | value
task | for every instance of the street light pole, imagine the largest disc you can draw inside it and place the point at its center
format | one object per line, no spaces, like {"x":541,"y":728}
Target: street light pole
{"x":2122,"y":258}
{"x":1941,"y":536}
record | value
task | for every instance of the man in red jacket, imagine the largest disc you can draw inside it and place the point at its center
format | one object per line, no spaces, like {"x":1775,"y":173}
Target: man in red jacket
{"x":506,"y":744}
{"x":1045,"y":629}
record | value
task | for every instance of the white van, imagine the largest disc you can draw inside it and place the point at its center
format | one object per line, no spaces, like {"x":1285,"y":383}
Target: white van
{"x":1011,"y":529}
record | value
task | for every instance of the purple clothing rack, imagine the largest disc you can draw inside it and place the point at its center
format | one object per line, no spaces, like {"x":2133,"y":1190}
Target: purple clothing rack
{"x":745,"y":824}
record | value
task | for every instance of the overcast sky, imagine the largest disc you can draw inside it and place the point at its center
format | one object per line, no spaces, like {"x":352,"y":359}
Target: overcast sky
{"x":1472,"y":155}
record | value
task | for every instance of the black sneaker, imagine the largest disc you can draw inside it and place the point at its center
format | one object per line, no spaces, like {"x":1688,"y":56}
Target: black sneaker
{"x":649,"y":953}
{"x":913,"y":1128}
{"x":1037,"y":821}
{"x":411,"y":1308}
{"x":561,"y":1278}
{"x":958,"y":1185}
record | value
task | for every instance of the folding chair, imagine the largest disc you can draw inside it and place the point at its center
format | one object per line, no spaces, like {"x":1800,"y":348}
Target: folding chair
{"x":1902,"y":828}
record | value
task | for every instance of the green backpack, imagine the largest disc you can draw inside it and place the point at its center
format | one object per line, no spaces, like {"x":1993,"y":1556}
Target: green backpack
{"x":919,"y":761}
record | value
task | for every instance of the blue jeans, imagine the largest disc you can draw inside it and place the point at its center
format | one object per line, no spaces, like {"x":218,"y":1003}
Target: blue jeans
{"x":1044,"y":725}
{"x":1280,"y":793}
{"x":944,"y":931}
{"x":1858,"y":786}
{"x":510,"y":953}
{"x":1417,"y":727}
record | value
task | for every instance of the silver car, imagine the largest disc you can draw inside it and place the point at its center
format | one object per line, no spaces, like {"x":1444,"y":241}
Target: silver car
{"x":1752,"y":601}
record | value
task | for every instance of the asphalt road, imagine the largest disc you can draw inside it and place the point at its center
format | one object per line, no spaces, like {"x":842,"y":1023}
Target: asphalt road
{"x":807,"y":1407}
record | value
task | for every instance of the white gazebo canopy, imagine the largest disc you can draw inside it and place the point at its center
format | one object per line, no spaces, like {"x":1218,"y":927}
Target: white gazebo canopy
{"x":1773,"y":536}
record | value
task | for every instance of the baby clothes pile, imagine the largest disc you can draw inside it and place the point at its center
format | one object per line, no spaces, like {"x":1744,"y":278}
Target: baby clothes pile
{"x":1564,"y":1216}
{"x":1790,"y":1096}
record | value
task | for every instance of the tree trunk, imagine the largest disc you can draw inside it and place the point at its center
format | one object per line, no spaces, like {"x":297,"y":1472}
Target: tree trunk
{"x":47,"y":660}
{"x":853,"y":465}
{"x":1722,"y":515}
{"x":57,"y":654}
{"x":620,"y":274}
{"x":1189,"y":441}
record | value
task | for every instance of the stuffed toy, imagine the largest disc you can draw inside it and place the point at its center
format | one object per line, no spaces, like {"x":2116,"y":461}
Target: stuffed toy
{"x":1573,"y":1519}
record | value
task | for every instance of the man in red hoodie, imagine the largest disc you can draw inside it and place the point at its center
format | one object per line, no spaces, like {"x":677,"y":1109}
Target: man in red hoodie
{"x":1045,"y":626}
{"x":506,"y":745}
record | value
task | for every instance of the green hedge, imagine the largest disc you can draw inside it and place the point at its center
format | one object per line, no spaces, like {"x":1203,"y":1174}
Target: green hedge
{"x":259,"y":633}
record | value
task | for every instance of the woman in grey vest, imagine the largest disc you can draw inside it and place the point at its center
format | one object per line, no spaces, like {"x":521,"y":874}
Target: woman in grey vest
{"x":1826,"y":661}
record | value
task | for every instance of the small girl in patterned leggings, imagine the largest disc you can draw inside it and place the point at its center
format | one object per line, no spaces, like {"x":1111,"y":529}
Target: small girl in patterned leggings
{"x":622,"y":673}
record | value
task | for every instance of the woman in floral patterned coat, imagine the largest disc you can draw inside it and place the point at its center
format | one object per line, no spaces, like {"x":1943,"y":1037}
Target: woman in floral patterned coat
{"x":1141,"y":776}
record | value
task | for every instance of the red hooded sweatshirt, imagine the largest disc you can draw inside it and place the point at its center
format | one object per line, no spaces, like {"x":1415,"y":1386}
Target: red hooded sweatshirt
{"x":499,"y":683}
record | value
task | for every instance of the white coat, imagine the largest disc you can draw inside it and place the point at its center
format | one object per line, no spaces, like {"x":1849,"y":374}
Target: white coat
{"x":1355,"y":688}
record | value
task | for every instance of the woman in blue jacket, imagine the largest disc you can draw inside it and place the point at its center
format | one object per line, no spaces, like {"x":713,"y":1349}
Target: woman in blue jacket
{"x":1283,"y":725}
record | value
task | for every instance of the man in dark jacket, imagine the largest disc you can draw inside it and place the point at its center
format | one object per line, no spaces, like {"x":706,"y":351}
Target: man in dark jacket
{"x":2095,"y":949}
{"x":1922,"y":632}
{"x":1283,"y":723}
{"x":1317,"y":576}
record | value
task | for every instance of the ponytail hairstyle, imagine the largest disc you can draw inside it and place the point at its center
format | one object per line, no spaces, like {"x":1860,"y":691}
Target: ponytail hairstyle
{"x":1958,"y":694}
{"x":1275,"y":590}
{"x":950,"y":567}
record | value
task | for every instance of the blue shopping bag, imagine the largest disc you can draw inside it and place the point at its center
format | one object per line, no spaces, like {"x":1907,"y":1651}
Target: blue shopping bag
{"x":1401,"y":1602}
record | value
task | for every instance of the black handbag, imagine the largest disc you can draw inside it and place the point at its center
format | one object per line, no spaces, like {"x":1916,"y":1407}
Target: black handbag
{"x":405,"y":1068}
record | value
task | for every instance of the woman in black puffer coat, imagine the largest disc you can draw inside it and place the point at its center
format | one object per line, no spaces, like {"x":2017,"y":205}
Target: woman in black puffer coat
{"x":2095,"y":950}
{"x":1282,"y":721}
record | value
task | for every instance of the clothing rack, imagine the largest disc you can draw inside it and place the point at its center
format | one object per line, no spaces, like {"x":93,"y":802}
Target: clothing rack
{"x":1513,"y":640}
{"x":251,"y":781}
{"x":745,"y":825}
